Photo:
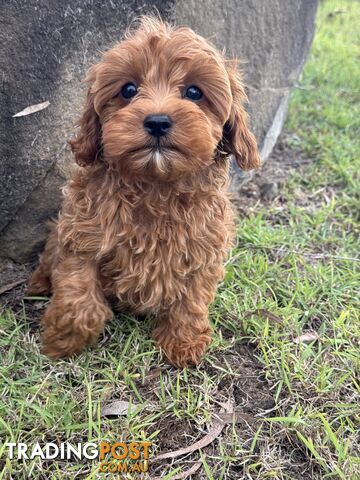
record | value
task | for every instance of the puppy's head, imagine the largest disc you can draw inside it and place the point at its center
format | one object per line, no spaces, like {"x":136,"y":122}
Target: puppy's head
{"x":164,"y":103}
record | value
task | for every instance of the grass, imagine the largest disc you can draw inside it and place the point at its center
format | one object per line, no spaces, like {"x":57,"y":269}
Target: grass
{"x":294,"y":270}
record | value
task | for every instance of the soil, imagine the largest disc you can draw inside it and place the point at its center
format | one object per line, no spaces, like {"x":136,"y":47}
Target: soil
{"x":266,"y":185}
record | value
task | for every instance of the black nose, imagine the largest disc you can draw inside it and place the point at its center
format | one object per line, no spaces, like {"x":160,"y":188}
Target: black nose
{"x":157,"y":125}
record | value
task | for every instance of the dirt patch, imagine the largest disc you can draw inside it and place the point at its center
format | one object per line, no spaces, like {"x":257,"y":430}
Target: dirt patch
{"x":14,"y":298}
{"x":175,"y":433}
{"x":266,"y":185}
{"x":13,"y":278}
{"x":11,"y":272}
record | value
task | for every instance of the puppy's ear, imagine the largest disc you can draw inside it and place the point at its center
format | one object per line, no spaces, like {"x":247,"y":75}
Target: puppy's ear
{"x":86,"y":146}
{"x":237,"y":138}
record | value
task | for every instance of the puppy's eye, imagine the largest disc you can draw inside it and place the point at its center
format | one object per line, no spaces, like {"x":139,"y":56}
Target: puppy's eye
{"x":193,"y":93}
{"x":129,"y":90}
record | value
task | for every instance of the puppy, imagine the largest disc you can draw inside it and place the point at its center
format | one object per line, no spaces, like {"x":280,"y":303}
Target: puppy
{"x":146,"y":219}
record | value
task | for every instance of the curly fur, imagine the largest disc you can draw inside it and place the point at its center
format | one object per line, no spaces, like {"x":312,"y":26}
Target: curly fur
{"x":147,"y":225}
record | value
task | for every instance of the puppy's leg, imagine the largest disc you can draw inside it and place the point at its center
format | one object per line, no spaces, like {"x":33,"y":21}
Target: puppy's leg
{"x":40,"y":281}
{"x":183,"y":332}
{"x":78,"y":309}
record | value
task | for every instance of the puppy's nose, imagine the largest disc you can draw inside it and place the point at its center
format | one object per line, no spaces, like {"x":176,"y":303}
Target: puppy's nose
{"x":157,"y":125}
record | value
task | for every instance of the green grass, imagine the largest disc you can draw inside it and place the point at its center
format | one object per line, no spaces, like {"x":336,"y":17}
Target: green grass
{"x":296,"y":259}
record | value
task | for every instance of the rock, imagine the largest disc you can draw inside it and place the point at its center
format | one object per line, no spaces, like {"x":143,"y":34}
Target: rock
{"x":269,"y":191}
{"x":47,"y":45}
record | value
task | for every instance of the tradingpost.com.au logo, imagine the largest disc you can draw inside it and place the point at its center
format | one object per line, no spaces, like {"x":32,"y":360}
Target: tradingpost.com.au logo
{"x":117,"y":457}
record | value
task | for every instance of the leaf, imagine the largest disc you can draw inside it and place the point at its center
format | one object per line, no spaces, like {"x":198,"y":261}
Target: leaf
{"x":32,"y":109}
{"x":152,"y":375}
{"x":236,"y":417}
{"x":262,"y":312}
{"x":117,"y":408}
{"x":307,"y":337}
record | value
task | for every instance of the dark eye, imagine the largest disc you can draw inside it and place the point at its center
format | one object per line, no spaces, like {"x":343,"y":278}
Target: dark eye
{"x":129,"y":90}
{"x":193,"y":93}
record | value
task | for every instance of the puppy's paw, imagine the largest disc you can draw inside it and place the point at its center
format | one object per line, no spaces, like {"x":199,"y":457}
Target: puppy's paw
{"x":60,"y":344}
{"x":60,"y":338}
{"x":185,"y":354}
{"x":39,"y":283}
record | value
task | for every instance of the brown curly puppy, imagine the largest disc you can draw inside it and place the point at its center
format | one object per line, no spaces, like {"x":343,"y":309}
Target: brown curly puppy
{"x":146,"y":219}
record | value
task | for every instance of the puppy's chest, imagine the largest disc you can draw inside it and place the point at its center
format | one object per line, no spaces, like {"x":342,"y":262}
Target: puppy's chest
{"x":169,"y":241}
{"x":166,"y":235}
{"x":159,"y":253}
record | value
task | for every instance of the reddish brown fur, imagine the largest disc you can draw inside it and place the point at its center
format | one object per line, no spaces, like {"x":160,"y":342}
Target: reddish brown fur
{"x":151,"y":230}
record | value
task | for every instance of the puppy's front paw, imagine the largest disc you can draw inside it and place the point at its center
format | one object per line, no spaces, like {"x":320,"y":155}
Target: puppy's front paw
{"x":60,"y":344}
{"x":39,"y":283}
{"x":184,"y":354}
{"x":60,"y":338}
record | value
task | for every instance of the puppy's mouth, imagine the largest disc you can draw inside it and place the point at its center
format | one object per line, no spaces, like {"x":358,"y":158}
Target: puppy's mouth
{"x":157,"y":149}
{"x":155,"y":159}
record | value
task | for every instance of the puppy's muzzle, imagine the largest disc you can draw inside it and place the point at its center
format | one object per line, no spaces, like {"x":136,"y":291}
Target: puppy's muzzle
{"x":157,"y":125}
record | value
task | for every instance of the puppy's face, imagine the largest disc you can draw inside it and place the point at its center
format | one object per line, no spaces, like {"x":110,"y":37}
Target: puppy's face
{"x":161,"y":104}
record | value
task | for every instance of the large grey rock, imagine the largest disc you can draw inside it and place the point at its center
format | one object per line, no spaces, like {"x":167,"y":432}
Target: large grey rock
{"x":46,"y":47}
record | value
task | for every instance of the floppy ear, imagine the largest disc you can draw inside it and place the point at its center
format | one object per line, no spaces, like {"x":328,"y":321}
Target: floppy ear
{"x":86,"y":146}
{"x":237,"y":138}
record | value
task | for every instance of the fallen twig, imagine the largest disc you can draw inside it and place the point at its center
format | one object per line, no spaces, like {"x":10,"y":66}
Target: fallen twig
{"x":12,"y":285}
